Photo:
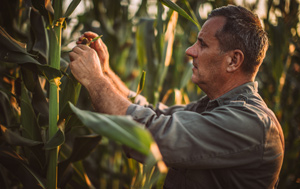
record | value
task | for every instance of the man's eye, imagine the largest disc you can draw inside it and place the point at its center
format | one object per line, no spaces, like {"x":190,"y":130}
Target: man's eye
{"x":202,"y":44}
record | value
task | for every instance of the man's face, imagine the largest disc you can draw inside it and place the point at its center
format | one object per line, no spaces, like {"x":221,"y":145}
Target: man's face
{"x":208,"y":60}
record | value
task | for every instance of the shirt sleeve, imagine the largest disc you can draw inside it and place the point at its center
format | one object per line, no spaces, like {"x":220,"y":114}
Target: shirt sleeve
{"x":138,"y":99}
{"x":228,"y":136}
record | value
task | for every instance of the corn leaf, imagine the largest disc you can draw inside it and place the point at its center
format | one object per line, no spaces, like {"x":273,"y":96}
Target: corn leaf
{"x":40,"y":104}
{"x":39,"y":36}
{"x":49,"y":72}
{"x":191,"y":11}
{"x":16,"y":139}
{"x":10,"y":44}
{"x":82,"y":147}
{"x":186,"y":77}
{"x":18,"y":166}
{"x":45,"y":8}
{"x":28,"y":118}
{"x":70,"y":89}
{"x":141,"y":83}
{"x":48,"y":6}
{"x":15,"y":57}
{"x":176,"y":8}
{"x":12,"y":51}
{"x":140,"y":42}
{"x":118,"y":128}
{"x":140,"y":86}
{"x":71,"y":8}
{"x":80,"y":178}
{"x":8,"y":113}
{"x":57,"y":140}
{"x":159,"y":39}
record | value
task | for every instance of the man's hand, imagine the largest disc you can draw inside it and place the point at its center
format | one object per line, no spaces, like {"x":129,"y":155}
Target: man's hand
{"x":85,"y":64}
{"x":99,"y":47}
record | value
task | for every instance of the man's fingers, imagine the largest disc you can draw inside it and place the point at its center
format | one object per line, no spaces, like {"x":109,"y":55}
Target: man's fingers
{"x":83,"y":37}
{"x":80,"y":48}
{"x":90,"y":34}
{"x":100,"y":46}
{"x":73,"y":55}
{"x":77,"y":49}
{"x":78,"y":42}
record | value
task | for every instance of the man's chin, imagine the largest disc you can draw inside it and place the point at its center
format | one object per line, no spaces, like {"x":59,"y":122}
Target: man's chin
{"x":194,"y":79}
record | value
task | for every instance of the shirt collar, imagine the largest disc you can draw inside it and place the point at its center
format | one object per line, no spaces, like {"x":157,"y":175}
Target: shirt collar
{"x":247,"y":88}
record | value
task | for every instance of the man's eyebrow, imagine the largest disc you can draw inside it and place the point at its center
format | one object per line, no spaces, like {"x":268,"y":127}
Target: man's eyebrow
{"x":200,"y":39}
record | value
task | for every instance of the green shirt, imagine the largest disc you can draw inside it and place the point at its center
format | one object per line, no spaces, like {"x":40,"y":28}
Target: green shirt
{"x":234,"y":141}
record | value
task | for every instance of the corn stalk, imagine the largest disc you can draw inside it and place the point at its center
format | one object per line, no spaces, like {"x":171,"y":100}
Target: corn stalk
{"x":54,"y":58}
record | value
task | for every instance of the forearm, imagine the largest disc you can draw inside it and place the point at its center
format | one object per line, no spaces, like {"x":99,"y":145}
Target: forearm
{"x":106,"y":98}
{"x":117,"y":82}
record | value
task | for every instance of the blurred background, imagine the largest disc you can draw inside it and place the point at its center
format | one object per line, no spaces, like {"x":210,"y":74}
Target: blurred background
{"x":136,"y":34}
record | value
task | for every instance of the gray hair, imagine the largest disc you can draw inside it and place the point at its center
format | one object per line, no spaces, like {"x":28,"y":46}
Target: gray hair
{"x":242,"y":31}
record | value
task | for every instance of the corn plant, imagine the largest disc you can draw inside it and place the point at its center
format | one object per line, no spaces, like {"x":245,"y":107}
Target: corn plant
{"x":136,"y":41}
{"x":44,"y":91}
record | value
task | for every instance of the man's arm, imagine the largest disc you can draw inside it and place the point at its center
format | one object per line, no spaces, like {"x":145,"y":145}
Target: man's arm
{"x":103,"y":55}
{"x":86,"y":68}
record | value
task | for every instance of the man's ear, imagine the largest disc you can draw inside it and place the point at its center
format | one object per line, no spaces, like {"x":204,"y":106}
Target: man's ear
{"x":235,"y":60}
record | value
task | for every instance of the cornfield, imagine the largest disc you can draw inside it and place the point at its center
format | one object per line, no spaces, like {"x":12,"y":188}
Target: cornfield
{"x":50,"y":135}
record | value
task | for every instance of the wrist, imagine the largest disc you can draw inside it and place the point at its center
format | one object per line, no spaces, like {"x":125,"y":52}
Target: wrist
{"x":108,"y":71}
{"x":93,"y":81}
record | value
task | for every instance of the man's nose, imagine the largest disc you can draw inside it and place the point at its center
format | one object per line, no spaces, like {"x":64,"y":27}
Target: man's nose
{"x":191,"y":51}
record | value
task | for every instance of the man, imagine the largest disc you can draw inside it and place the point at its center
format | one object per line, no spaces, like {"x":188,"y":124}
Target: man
{"x":229,"y":138}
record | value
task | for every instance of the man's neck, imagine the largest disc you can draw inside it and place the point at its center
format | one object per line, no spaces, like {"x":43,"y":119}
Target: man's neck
{"x":216,"y":91}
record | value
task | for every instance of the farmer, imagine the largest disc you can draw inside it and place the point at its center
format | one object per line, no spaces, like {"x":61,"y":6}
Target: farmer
{"x":227,"y":139}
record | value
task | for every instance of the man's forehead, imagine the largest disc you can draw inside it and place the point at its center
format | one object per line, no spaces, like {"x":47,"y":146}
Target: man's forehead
{"x":211,"y":26}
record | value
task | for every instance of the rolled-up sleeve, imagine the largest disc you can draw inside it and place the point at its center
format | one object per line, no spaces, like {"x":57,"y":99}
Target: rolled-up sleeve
{"x":228,"y":136}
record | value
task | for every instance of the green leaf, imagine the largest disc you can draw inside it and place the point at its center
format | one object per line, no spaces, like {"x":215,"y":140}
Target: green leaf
{"x":45,"y":8}
{"x":70,"y":90}
{"x":84,"y":145}
{"x":57,"y":140}
{"x":48,"y":6}
{"x":72,"y":122}
{"x":144,"y":39}
{"x":16,"y":139}
{"x":12,"y":51}
{"x":30,"y":77}
{"x":49,"y":72}
{"x":30,"y":128}
{"x":8,"y":114}
{"x":76,"y":177}
{"x":29,"y":122}
{"x":45,"y":70}
{"x":15,"y":57}
{"x":39,"y":36}
{"x":40,"y":105}
{"x":191,"y":11}
{"x":10,"y":44}
{"x":17,"y":165}
{"x":159,"y":39}
{"x":122,"y":129}
{"x":141,"y":83}
{"x":178,"y":9}
{"x":187,"y":74}
{"x":71,"y":8}
{"x":140,"y":86}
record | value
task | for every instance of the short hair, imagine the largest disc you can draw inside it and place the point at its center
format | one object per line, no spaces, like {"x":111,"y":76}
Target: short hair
{"x":242,"y":31}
